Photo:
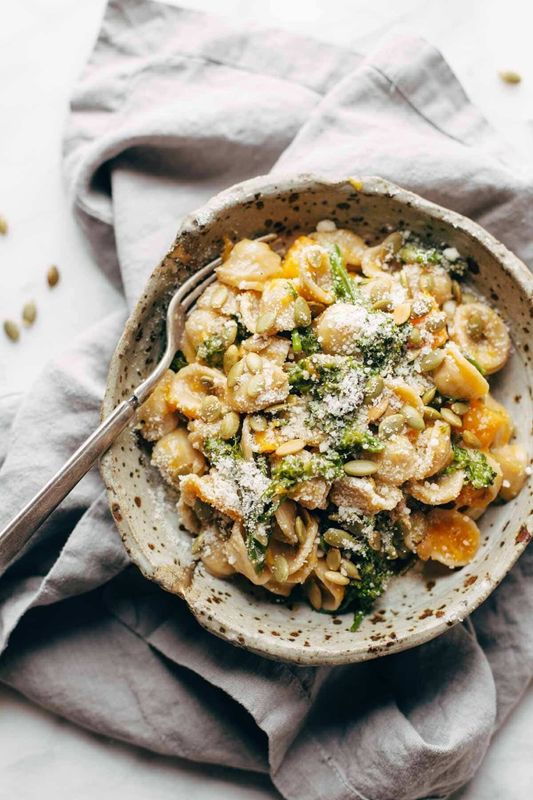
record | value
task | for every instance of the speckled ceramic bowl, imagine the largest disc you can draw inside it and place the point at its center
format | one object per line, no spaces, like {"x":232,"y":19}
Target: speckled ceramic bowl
{"x":418,"y":605}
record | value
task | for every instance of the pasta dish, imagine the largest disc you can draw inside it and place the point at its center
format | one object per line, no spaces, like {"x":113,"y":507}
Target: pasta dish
{"x":328,"y":419}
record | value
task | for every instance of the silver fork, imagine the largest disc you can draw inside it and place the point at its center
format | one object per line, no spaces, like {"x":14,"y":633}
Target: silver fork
{"x":19,"y":531}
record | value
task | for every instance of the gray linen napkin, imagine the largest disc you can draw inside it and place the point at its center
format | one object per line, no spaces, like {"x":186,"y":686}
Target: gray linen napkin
{"x":173,"y":106}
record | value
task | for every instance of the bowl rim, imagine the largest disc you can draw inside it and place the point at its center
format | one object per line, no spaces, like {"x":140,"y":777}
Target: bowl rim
{"x":277,"y":648}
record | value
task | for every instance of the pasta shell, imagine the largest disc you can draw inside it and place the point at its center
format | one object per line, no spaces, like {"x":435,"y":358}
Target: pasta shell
{"x":512,"y":459}
{"x":316,"y":282}
{"x":375,"y":259}
{"x":397,"y":462}
{"x":250,"y":265}
{"x":211,"y":299}
{"x":441,"y":490}
{"x":274,"y":348}
{"x":332,"y":593}
{"x":474,"y":502}
{"x":480,"y":332}
{"x":214,"y":490}
{"x":249,"y":309}
{"x":437,"y":283}
{"x":352,"y":247}
{"x":156,"y":417}
{"x":340,"y":327}
{"x":272,"y":387}
{"x":449,"y":537}
{"x":191,"y":385}
{"x":433,"y":450}
{"x":457,"y":377}
{"x":214,"y":553}
{"x":367,"y":494}
{"x":278,"y":300}
{"x":200,"y":324}
{"x":174,"y":456}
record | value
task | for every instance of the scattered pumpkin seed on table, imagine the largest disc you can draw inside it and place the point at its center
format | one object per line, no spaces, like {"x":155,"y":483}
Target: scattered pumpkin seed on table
{"x":510,"y":76}
{"x":4,"y":227}
{"x":11,"y":330}
{"x":29,"y":313}
{"x":52,"y":276}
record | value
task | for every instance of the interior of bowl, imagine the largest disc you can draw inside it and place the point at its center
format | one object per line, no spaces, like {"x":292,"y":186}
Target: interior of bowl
{"x":417,"y":605}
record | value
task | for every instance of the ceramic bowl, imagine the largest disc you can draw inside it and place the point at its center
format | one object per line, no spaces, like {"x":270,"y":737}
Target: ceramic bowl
{"x":426,"y":600}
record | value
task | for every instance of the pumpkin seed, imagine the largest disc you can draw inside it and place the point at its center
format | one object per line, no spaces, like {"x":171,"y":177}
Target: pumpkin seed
{"x":219,"y":296}
{"x":510,"y":76}
{"x":29,"y":313}
{"x":377,"y":411}
{"x":436,"y":322}
{"x":314,"y":595}
{"x":12,"y":330}
{"x":460,"y":408}
{"x":255,"y":385}
{"x":336,"y":537}
{"x":401,"y":313}
{"x":413,"y":418}
{"x":452,"y":419}
{"x":302,"y":313}
{"x":258,"y":424}
{"x":456,"y":291}
{"x":391,"y":425}
{"x":229,"y":425}
{"x":432,"y":360}
{"x":374,"y":540}
{"x":431,"y":413}
{"x":350,"y":569}
{"x":373,"y":388}
{"x":336,"y":577}
{"x":360,"y":467}
{"x":235,"y":373}
{"x":229,"y":332}
{"x":415,"y":337}
{"x":280,"y":569}
{"x":403,"y":279}
{"x":333,"y":558}
{"x":4,"y":227}
{"x":428,"y":396}
{"x":265,"y":321}
{"x":231,"y":356}
{"x":301,"y":530}
{"x":253,"y":362}
{"x":211,"y":409}
{"x":290,"y":447}
{"x":52,"y":276}
{"x":471,"y":439}
{"x":197,"y":543}
{"x":384,"y":304}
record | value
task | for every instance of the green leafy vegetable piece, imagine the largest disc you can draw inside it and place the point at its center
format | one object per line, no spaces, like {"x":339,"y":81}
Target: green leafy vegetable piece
{"x":477,"y":469}
{"x":355,"y":438}
{"x":215,"y":449}
{"x":343,"y":285}
{"x":374,"y":572}
{"x":304,"y":341}
{"x":178,"y":362}
{"x":211,"y":351}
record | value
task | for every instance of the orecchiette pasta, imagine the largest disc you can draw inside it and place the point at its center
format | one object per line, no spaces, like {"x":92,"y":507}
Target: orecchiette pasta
{"x":329,"y":418}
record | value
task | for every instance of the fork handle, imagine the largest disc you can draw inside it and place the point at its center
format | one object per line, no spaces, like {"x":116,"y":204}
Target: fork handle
{"x":22,"y":527}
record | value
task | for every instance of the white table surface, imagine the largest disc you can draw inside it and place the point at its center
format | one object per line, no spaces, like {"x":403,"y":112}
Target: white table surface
{"x":43,"y":45}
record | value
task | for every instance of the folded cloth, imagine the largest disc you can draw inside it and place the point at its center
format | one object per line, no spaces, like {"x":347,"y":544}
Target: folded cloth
{"x":173,"y":106}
